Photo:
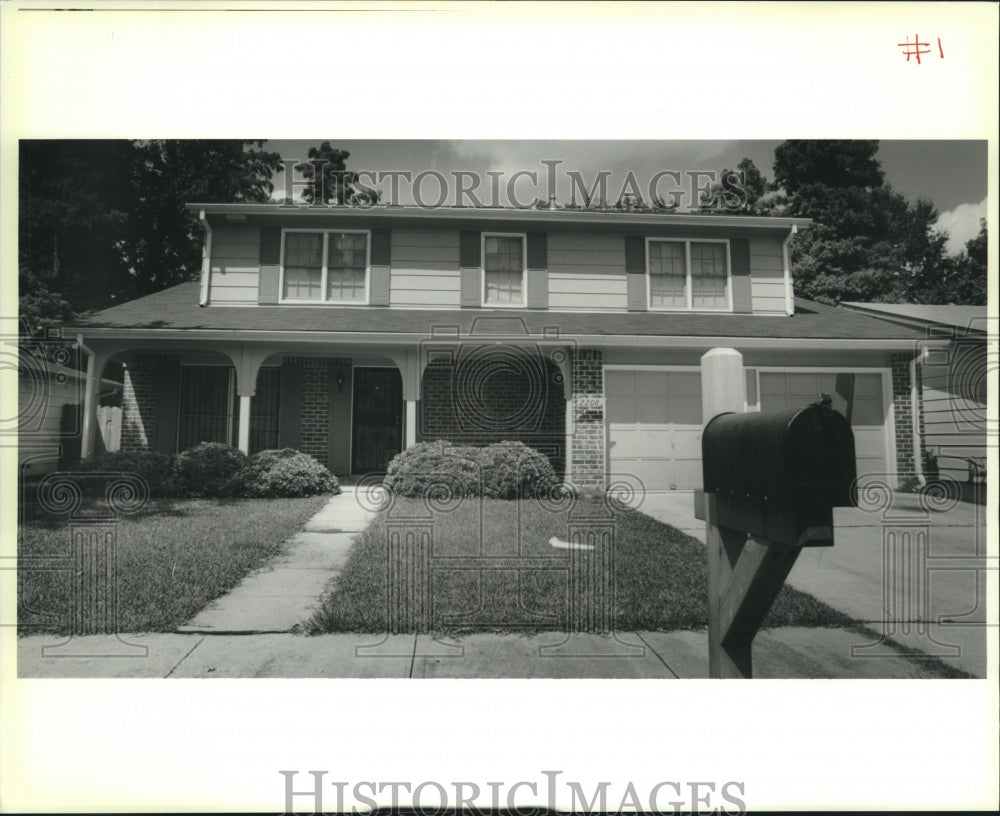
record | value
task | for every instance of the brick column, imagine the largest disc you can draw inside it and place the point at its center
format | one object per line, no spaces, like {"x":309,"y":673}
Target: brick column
{"x":589,"y":464}
{"x":316,"y":407}
{"x":139,"y":404}
{"x":902,"y":405}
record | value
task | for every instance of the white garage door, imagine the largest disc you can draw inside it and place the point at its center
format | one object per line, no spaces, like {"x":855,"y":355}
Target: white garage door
{"x":779,"y":390}
{"x":654,"y":427}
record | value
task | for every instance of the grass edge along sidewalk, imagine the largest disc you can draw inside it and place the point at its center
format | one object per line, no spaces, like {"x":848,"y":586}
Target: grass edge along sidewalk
{"x":660,"y":579}
{"x":174,"y":557}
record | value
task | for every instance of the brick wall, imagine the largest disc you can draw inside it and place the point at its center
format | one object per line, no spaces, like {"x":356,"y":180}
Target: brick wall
{"x":139,"y":404}
{"x":589,"y":464}
{"x":902,"y":404}
{"x":316,"y":407}
{"x":492,"y":397}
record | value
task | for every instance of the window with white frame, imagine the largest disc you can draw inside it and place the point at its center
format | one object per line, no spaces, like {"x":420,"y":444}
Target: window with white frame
{"x":688,"y":275}
{"x":327,"y":266}
{"x":503,"y":270}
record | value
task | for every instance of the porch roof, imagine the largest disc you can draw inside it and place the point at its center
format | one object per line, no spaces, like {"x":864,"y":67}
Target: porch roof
{"x":175,"y":313}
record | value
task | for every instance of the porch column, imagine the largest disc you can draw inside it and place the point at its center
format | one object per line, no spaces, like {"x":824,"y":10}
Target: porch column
{"x":89,"y":411}
{"x":244,"y":430}
{"x":411,"y":423}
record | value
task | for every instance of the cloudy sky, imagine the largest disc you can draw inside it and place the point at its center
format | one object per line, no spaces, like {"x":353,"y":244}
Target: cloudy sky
{"x":951,"y":173}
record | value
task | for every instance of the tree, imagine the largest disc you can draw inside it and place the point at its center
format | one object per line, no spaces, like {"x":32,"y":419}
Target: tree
{"x":867,"y":242}
{"x":830,"y":162}
{"x":162,"y":242}
{"x":339,"y":185}
{"x":103,"y":221}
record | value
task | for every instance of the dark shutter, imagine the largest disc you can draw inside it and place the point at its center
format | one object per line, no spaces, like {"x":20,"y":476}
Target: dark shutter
{"x":470,"y":260}
{"x":635,"y":272}
{"x":270,"y":245}
{"x":739,"y":256}
{"x":381,"y":247}
{"x":270,"y":258}
{"x":470,"y":250}
{"x":381,"y":251}
{"x":290,"y":407}
{"x":538,"y":271}
{"x":168,"y":376}
{"x":538,"y":251}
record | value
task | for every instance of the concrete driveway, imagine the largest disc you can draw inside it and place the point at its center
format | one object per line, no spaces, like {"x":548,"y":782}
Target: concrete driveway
{"x":912,"y":573}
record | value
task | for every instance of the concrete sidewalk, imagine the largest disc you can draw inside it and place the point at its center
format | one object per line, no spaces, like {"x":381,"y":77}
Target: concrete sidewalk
{"x":869,"y":573}
{"x":788,"y":653}
{"x":283,"y":594}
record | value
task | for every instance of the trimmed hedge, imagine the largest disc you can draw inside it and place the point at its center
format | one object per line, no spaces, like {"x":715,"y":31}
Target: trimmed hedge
{"x":284,"y":473}
{"x":505,"y":470}
{"x":151,"y":466}
{"x":207,"y":470}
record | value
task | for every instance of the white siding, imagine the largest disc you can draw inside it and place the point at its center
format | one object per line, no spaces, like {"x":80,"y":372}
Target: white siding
{"x":954,"y":403}
{"x":235,"y":265}
{"x":767,"y":276}
{"x":587,"y":271}
{"x":424,"y":270}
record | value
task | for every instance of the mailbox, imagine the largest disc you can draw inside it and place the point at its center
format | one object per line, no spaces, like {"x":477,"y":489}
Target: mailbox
{"x":779,"y":475}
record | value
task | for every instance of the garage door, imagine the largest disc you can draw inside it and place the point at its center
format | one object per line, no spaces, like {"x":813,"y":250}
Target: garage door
{"x":780,"y":390}
{"x":654,"y":427}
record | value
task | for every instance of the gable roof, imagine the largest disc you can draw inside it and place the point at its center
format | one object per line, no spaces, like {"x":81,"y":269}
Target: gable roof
{"x":966,"y":319}
{"x":175,"y":311}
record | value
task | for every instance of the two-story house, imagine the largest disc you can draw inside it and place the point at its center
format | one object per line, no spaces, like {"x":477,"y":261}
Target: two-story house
{"x":352,"y":333}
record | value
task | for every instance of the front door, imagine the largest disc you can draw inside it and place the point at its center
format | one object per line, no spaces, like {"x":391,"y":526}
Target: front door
{"x":378,"y":418}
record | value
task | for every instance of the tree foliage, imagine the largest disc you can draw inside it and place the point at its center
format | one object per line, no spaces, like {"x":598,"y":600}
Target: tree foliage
{"x":867,"y":241}
{"x":103,"y":221}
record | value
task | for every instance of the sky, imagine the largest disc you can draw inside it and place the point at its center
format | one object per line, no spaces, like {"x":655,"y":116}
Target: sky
{"x":951,"y":173}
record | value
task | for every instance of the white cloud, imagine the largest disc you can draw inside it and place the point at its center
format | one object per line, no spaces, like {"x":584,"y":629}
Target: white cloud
{"x":961,"y":224}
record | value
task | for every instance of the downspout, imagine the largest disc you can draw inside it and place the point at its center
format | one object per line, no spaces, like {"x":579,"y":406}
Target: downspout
{"x":206,"y":259}
{"x":918,"y":449}
{"x":787,"y":260}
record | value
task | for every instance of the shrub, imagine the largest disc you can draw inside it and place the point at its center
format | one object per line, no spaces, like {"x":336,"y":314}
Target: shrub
{"x":505,"y":470}
{"x":512,"y":470}
{"x":438,"y":465}
{"x":284,"y":473}
{"x":152,"y":466}
{"x":207,"y":470}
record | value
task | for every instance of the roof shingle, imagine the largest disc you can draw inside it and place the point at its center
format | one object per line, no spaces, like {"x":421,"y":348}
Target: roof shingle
{"x":177,"y":308}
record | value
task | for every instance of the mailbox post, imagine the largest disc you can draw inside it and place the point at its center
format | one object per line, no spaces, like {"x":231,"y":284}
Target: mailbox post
{"x":771,"y":481}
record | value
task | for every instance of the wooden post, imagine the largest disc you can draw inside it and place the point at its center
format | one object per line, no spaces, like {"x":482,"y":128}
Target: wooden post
{"x":723,"y":389}
{"x":724,"y":546}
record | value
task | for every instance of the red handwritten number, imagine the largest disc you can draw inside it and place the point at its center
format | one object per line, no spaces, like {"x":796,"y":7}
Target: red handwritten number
{"x":940,"y":49}
{"x":914,"y":49}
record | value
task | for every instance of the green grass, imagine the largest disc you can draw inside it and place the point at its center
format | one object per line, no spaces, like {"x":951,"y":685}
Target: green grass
{"x":173,"y":557}
{"x":660,"y":575}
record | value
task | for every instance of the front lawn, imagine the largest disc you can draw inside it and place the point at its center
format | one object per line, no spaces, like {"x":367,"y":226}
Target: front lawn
{"x":660,"y":578}
{"x":174,"y":556}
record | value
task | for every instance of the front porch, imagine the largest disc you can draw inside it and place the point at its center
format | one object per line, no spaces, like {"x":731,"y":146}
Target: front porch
{"x":352,"y":407}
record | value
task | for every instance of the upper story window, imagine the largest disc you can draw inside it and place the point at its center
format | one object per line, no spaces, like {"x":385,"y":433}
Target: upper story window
{"x":689,"y":275}
{"x":504,"y":262}
{"x":326,"y":267}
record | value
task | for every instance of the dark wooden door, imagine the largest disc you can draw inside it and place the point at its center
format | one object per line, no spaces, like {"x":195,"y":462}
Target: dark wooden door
{"x":378,"y":418}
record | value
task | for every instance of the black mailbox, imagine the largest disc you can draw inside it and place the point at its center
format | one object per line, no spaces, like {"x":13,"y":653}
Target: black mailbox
{"x":779,"y":475}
